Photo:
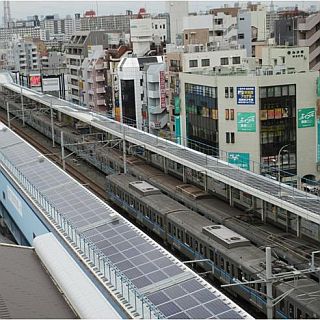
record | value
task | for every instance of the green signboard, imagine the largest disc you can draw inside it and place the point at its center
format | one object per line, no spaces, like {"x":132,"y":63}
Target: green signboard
{"x":241,"y":160}
{"x":318,"y":158}
{"x":306,"y":117}
{"x":178,"y":129}
{"x":318,"y":86}
{"x":246,"y":121}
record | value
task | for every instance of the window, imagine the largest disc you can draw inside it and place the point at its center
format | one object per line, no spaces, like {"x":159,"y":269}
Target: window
{"x":226,"y":113}
{"x":160,"y":26}
{"x":3,"y":195}
{"x":163,"y":26}
{"x":169,"y":227}
{"x":241,"y":36}
{"x":227,"y":137}
{"x":236,"y":60}
{"x":232,"y":137}
{"x":241,"y":19}
{"x":186,"y":36}
{"x":226,"y":92}
{"x":142,"y":96}
{"x":193,"y":63}
{"x":141,"y":82}
{"x":231,"y":92}
{"x":156,"y":26}
{"x":205,"y":62}
{"x":224,"y":61}
{"x":231,"y":114}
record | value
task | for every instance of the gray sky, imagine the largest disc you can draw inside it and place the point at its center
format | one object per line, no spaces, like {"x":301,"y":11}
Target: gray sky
{"x":23,"y":8}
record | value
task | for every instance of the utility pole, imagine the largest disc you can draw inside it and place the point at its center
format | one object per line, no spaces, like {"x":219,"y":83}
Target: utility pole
{"x":62,"y":151}
{"x":271,"y":278}
{"x":52,"y":124}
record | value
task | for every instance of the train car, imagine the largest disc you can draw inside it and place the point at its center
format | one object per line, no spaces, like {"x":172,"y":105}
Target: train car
{"x":228,"y":256}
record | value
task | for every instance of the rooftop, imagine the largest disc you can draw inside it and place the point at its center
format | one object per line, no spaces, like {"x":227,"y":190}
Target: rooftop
{"x":26,"y":290}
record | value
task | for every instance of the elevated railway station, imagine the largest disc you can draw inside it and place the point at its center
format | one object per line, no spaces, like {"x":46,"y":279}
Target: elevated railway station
{"x":143,"y":279}
{"x":296,"y":210}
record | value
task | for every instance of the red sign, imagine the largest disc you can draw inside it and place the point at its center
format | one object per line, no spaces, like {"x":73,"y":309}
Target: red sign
{"x":35,"y":81}
{"x":162,"y":90}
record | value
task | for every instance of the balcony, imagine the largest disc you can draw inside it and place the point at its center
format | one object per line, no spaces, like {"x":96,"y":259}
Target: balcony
{"x":91,"y":92}
{"x":155,"y":94}
{"x":99,"y":66}
{"x":90,"y":80}
{"x":100,"y":78}
{"x":101,"y":90}
{"x":175,"y":69}
{"x":101,"y":102}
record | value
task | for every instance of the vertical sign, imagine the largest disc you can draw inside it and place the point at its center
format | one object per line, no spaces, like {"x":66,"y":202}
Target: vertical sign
{"x":318,"y":122}
{"x":242,"y":160}
{"x":162,"y":90}
{"x":246,"y":95}
{"x":306,"y":117}
{"x":246,"y":121}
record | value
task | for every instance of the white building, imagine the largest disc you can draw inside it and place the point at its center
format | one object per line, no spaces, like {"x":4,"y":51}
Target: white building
{"x":53,"y":27}
{"x":252,"y":116}
{"x":159,"y":29}
{"x":141,"y":35}
{"x":142,"y":92}
{"x":177,"y":11}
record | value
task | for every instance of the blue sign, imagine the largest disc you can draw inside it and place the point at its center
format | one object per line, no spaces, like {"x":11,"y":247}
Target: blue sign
{"x":246,"y":95}
{"x":241,"y":160}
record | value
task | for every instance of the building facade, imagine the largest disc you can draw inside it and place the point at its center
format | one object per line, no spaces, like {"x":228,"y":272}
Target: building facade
{"x":262,"y":122}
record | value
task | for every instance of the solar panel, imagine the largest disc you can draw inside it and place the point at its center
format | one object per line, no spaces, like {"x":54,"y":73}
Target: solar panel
{"x":171,"y":287}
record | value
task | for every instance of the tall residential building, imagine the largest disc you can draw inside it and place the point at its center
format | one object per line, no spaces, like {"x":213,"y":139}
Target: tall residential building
{"x":54,"y":27}
{"x":142,"y":95}
{"x":177,"y":11}
{"x":252,"y":27}
{"x":94,"y":79}
{"x":194,"y":58}
{"x":249,"y":118}
{"x":76,"y":51}
{"x":141,"y":35}
{"x":298,"y":28}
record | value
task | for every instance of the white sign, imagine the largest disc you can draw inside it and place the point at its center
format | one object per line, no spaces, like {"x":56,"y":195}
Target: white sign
{"x":50,"y":84}
{"x":14,"y":200}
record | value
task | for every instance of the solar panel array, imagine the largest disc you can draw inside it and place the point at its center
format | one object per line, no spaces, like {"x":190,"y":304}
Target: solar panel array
{"x":174,"y":289}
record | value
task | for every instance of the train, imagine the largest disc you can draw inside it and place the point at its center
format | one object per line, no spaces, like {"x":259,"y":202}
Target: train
{"x":223,"y":254}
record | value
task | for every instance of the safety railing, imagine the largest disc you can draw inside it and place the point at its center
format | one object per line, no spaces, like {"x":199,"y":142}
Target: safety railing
{"x":116,"y":278}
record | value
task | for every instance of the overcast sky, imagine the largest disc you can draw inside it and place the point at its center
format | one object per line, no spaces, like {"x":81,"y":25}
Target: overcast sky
{"x":23,"y":8}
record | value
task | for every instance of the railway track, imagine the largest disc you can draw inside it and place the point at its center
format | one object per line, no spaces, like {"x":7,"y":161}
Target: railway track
{"x":56,"y":158}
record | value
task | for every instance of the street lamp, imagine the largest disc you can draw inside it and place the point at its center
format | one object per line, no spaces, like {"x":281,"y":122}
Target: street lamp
{"x":279,"y":162}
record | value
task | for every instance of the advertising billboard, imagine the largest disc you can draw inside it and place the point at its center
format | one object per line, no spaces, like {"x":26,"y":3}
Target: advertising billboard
{"x":35,"y":80}
{"x":306,"y":117}
{"x":50,"y":84}
{"x":246,"y":121}
{"x":242,"y":160}
{"x":162,"y":90}
{"x":246,"y":95}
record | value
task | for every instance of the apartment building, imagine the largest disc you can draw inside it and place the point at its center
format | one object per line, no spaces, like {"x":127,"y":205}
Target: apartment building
{"x":194,"y":58}
{"x":54,"y":27}
{"x":252,"y":118}
{"x":76,"y":51}
{"x":142,"y":96}
{"x":94,"y":79}
{"x":298,"y":28}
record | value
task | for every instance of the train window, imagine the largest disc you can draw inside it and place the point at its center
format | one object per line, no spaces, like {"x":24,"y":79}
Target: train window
{"x":161,"y":222}
{"x":196,"y":247}
{"x":222,"y":263}
{"x":299,"y":314}
{"x":188,"y":242}
{"x":291,"y":311}
{"x":216,"y":258}
{"x":232,"y":270}
{"x":307,"y":316}
{"x":281,"y":304}
{"x":201,"y":248}
{"x":211,"y":255}
{"x":205,"y":252}
{"x":174,"y":231}
{"x":181,"y":235}
{"x":169,"y":227}
{"x":178,"y":232}
{"x":228,"y":267}
{"x":136,"y":205}
{"x":240,"y":274}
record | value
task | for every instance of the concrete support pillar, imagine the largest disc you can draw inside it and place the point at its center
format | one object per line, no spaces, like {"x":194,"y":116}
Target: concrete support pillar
{"x":230,"y":196}
{"x":184,"y":176}
{"x":287,"y":221}
{"x":263,"y":211}
{"x":298,"y":226}
{"x":205,"y":182}
{"x":165,"y":165}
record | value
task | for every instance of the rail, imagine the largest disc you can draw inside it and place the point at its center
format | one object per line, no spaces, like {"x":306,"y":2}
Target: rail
{"x":122,"y":285}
